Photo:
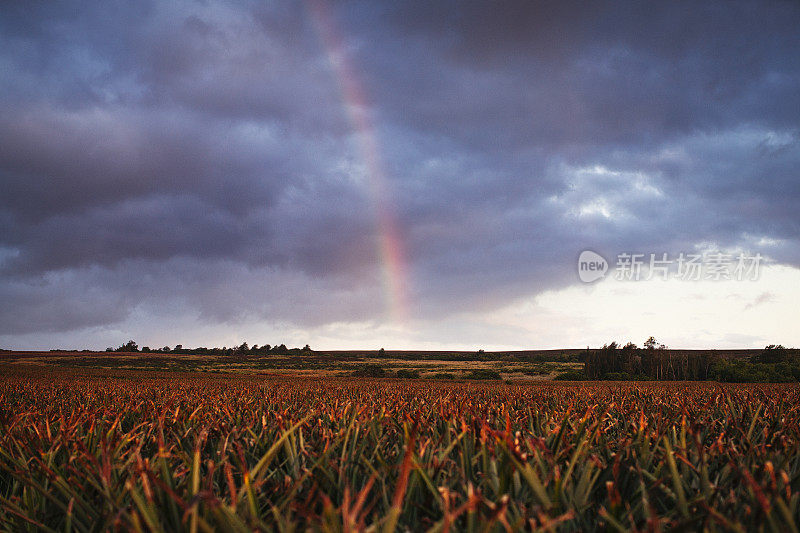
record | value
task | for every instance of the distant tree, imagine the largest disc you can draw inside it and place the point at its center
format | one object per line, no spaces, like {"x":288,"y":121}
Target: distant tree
{"x":242,"y":349}
{"x":381,"y":352}
{"x":109,"y":349}
{"x":146,"y":349}
{"x":774,"y":353}
{"x":178,"y":348}
{"x":166,"y":349}
{"x":306,"y":349}
{"x":655,"y":361}
{"x":129,"y":346}
{"x":650,"y":343}
{"x":600,"y":362}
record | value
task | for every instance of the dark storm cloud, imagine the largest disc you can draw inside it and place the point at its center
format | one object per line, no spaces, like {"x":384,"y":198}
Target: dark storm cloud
{"x":579,"y":75}
{"x":202,"y":152}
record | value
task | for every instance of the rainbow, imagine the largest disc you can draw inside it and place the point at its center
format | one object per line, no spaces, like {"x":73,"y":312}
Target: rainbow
{"x":390,"y":243}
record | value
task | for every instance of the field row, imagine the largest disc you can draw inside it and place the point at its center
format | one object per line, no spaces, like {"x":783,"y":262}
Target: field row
{"x":83,"y":452}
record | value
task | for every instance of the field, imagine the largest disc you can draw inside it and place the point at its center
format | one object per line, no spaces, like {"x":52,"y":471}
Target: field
{"x":83,"y":450}
{"x":523,"y":366}
{"x":529,"y":365}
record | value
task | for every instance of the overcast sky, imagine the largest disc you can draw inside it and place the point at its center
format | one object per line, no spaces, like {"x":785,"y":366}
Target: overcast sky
{"x":404,"y":174}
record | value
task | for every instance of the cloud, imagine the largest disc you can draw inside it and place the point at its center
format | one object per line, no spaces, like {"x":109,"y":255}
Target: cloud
{"x":761,"y":299}
{"x":202,"y":152}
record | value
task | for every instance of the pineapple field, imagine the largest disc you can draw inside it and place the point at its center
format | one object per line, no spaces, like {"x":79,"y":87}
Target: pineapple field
{"x":82,"y":451}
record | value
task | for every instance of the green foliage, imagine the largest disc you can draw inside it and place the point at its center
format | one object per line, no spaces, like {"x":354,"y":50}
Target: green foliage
{"x":483,"y":373}
{"x":129,"y":346}
{"x":571,"y":375}
{"x":406,"y":373}
{"x":242,"y":349}
{"x":617,"y":376}
{"x":746,"y":372}
{"x":654,"y":361}
{"x":775,"y":364}
{"x":577,"y":375}
{"x":370,"y":371}
{"x":773,"y":354}
{"x":624,"y":376}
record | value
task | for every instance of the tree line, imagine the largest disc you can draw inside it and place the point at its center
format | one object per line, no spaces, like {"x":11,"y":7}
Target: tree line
{"x":243,"y":349}
{"x":654,"y":361}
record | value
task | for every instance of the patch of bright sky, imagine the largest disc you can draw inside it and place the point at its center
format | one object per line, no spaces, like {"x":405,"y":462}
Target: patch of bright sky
{"x":680,"y":313}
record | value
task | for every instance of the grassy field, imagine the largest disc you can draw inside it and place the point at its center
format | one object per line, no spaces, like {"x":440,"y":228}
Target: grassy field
{"x":429,"y":364}
{"x":529,"y":365}
{"x":88,"y":449}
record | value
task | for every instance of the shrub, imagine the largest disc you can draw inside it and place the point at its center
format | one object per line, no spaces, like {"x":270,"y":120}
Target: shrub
{"x":744,"y":372}
{"x":617,"y":376}
{"x":571,"y":375}
{"x":442,"y":375}
{"x":370,"y":371}
{"x":483,"y":373}
{"x":406,"y":373}
{"x":542,"y":370}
